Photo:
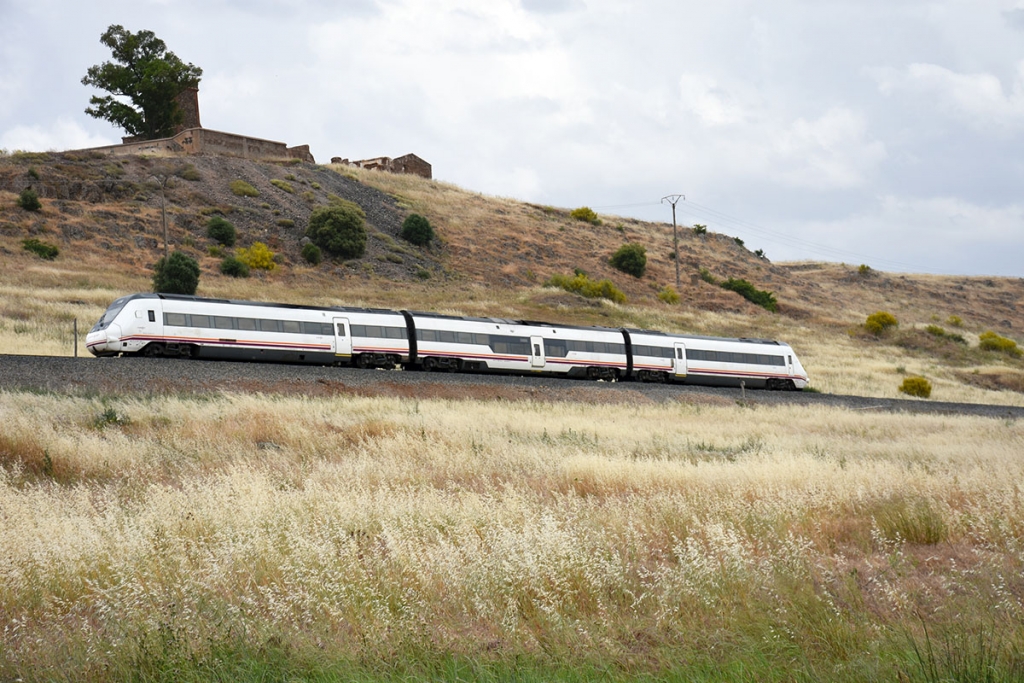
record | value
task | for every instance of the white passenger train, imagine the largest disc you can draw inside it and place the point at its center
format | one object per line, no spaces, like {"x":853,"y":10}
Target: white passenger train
{"x":171,"y":325}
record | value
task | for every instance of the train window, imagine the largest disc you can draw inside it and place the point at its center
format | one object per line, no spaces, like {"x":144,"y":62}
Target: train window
{"x":446,"y":336}
{"x":679,"y":354}
{"x":426,"y":335}
{"x":464,"y":337}
{"x":290,"y":327}
{"x":245,"y":323}
{"x":536,"y":350}
{"x":270,"y":325}
{"x":588,"y":347}
{"x":373,"y":331}
{"x":556,"y":348}
{"x":174,"y":319}
{"x":396,"y":332}
{"x":152,"y":316}
{"x":790,"y":360}
{"x":341,"y":329}
{"x":223,"y":323}
{"x":313,"y":328}
{"x":201,"y":321}
{"x":359,"y":330}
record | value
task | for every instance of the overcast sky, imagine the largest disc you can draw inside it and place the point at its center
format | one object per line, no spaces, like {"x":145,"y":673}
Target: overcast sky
{"x":886,"y":132}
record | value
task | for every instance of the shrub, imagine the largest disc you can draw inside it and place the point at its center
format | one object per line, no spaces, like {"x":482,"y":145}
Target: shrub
{"x":258,"y":256}
{"x":311,"y":253}
{"x":234,"y":267}
{"x":669,"y":295}
{"x":40,"y":249}
{"x":285,"y":222}
{"x":699,"y":229}
{"x":176,"y":274}
{"x":760,"y":254}
{"x":584,"y":286}
{"x":190,"y":173}
{"x":309,"y":196}
{"x":955,"y":321}
{"x":240,"y":188}
{"x":990,"y":341}
{"x":29,"y":200}
{"x":762,"y":298}
{"x":880,"y":321}
{"x":864,"y":269}
{"x":338,"y":229}
{"x":282,"y":185}
{"x":417,"y":230}
{"x":216,"y":250}
{"x":707,"y":277}
{"x":32,"y":173}
{"x":631,"y":259}
{"x":422,"y":273}
{"x":220,"y":229}
{"x":916,"y":386}
{"x":937,"y":331}
{"x":738,"y":241}
{"x":585,"y":214}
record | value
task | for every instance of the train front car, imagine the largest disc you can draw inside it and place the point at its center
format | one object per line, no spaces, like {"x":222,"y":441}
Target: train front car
{"x":117,"y":330}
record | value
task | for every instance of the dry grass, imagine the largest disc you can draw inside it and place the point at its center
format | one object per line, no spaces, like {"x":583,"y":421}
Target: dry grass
{"x":362,"y":527}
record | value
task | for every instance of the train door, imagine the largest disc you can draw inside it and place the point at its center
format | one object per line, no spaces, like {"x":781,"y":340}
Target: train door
{"x":342,"y":338}
{"x":679,"y":361}
{"x":537,"y":352}
{"x":789,"y":364}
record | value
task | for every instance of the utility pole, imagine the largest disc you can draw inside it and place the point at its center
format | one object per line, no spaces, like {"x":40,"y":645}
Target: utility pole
{"x":673,"y":199}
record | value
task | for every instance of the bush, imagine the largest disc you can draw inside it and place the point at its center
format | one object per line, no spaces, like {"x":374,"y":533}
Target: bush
{"x":311,"y":253}
{"x":417,"y":230}
{"x":585,"y":214}
{"x":234,"y":267}
{"x":338,"y":229}
{"x":176,"y":274}
{"x":707,"y":277}
{"x":240,"y":188}
{"x":40,"y":249}
{"x":631,"y":259}
{"x":257,"y":256}
{"x":29,"y":200}
{"x":669,"y":295}
{"x":762,"y":298}
{"x":699,"y":229}
{"x":584,"y":286}
{"x":864,"y":269}
{"x":880,"y":321}
{"x":285,"y":222}
{"x":990,"y":341}
{"x":916,"y":386}
{"x":282,"y":185}
{"x":221,"y":230}
{"x":955,"y":321}
{"x":937,"y":331}
{"x":189,"y":173}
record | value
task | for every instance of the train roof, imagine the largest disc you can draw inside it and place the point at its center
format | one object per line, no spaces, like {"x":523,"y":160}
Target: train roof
{"x":267,"y":304}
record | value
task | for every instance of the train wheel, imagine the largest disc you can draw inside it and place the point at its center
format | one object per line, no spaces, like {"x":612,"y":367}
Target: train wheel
{"x":362,"y":361}
{"x":429,"y":364}
{"x":153,"y":350}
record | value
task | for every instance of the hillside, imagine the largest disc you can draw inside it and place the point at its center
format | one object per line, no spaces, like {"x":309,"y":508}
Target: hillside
{"x":492,"y":257}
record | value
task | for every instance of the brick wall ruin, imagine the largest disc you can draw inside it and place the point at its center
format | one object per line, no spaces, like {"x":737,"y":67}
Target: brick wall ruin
{"x":410,"y":163}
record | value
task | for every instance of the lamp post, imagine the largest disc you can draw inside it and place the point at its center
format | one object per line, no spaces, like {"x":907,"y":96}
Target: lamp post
{"x":673,"y":199}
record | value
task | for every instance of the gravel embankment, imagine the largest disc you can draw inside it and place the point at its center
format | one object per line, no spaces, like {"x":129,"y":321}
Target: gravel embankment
{"x":163,"y":376}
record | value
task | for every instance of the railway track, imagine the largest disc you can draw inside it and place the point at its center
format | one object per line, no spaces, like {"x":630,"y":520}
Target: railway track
{"x":148,"y":376}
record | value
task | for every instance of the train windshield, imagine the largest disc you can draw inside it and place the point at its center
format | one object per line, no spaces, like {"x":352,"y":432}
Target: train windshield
{"x":111,"y":313}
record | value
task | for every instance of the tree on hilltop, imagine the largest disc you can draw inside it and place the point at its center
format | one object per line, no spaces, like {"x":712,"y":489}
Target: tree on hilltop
{"x":148,"y":75}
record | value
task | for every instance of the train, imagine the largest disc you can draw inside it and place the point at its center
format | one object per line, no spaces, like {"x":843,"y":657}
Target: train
{"x":182,"y":326}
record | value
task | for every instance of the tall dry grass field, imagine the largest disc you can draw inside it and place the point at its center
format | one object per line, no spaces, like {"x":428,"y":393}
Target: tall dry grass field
{"x":261,"y":536}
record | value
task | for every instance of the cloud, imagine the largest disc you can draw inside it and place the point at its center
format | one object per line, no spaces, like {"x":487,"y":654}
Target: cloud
{"x":1015,"y":18}
{"x":60,"y":135}
{"x":978,"y":99}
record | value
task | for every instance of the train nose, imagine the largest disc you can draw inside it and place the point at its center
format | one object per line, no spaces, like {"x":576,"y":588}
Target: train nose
{"x":103,"y":342}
